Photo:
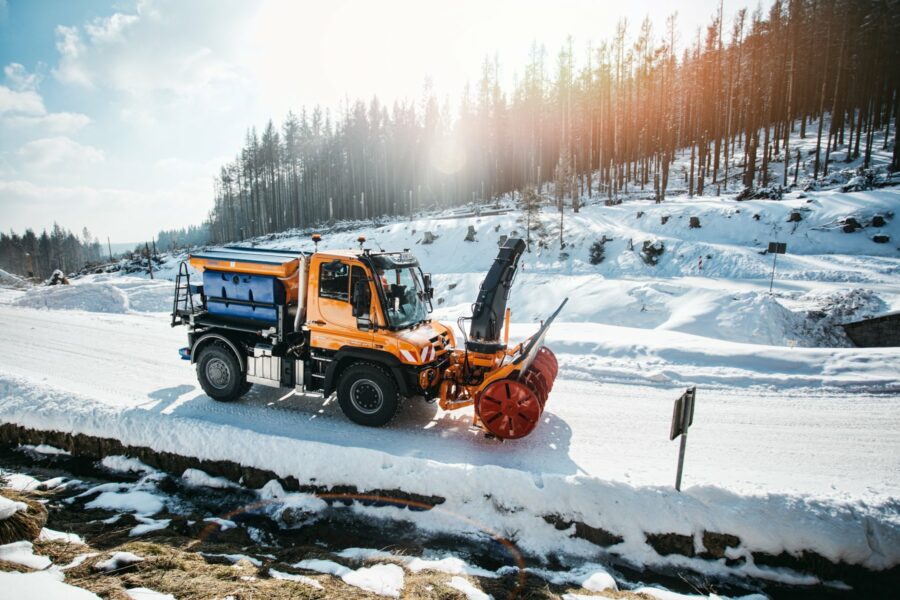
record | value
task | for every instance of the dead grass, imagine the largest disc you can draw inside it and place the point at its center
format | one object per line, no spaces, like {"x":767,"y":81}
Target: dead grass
{"x":174,"y":565}
{"x":24,"y":524}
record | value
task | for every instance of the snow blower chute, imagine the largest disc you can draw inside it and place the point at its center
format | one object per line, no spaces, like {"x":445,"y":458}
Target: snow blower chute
{"x":356,"y":323}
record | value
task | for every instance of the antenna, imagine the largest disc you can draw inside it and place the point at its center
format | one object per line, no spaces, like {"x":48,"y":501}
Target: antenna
{"x":316,"y":238}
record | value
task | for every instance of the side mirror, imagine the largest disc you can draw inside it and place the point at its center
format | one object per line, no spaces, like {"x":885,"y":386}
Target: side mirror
{"x":429,"y":291}
{"x":362,"y":298}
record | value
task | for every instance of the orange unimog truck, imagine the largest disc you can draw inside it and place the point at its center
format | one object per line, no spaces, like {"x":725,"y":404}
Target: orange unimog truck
{"x":356,"y":322}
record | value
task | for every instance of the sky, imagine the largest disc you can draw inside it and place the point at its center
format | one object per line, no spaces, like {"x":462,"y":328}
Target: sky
{"x":116,"y":115}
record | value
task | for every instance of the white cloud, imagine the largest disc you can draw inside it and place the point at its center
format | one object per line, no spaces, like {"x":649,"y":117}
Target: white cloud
{"x":22,"y":106}
{"x":19,"y":78}
{"x":58,"y":151}
{"x":109,"y":29}
{"x":188,"y":55}
{"x":53,"y":123}
{"x":124,"y":215}
{"x":26,"y":102}
{"x":70,"y":47}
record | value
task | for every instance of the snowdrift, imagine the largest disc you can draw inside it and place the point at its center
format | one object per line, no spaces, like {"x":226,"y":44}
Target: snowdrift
{"x":101,"y":294}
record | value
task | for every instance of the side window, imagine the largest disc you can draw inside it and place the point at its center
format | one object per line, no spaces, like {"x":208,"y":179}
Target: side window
{"x":357,"y":274}
{"x":334,"y":281}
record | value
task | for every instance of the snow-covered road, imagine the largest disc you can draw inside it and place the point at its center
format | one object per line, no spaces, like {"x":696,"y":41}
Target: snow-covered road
{"x":748,"y":439}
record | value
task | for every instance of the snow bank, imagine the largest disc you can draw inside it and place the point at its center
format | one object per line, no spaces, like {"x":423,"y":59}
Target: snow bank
{"x":125,"y":464}
{"x":10,"y":507}
{"x":384,"y":580}
{"x":290,"y":510}
{"x":101,"y":294}
{"x":22,"y":553}
{"x":43,"y":585}
{"x":468,"y":590}
{"x":52,"y":535}
{"x":859,"y":533}
{"x":198,"y":478}
{"x":275,"y":574}
{"x":90,"y":297}
{"x":117,"y":561}
{"x":8,"y":280}
{"x":620,"y":354}
{"x":134,"y":501}
{"x":45,"y":449}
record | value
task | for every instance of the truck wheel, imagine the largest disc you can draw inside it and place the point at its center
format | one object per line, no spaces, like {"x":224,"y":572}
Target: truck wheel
{"x":368,"y":395}
{"x":220,"y":374}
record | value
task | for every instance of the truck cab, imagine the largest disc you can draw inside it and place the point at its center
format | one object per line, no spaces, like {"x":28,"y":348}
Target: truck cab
{"x":354,"y":322}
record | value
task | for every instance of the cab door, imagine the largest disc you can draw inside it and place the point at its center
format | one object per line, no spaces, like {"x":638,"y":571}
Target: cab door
{"x":331,"y":322}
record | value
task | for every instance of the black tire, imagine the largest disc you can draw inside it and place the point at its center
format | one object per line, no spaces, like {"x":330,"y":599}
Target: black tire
{"x":368,"y":394}
{"x":220,"y":373}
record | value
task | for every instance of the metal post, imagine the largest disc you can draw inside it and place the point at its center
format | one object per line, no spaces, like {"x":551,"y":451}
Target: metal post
{"x":680,"y":461}
{"x":772,"y":281}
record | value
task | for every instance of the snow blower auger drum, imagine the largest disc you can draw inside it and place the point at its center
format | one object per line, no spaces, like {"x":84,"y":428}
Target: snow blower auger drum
{"x":511,"y":408}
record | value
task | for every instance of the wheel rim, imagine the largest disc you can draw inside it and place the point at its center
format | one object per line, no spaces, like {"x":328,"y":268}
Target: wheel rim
{"x":366,"y":396}
{"x":218,"y":373}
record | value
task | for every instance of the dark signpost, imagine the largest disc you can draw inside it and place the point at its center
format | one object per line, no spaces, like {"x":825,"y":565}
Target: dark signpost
{"x":775,"y":248}
{"x":682,"y":418}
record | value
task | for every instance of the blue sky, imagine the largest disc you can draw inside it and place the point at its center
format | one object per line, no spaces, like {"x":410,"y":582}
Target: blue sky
{"x":116,"y":115}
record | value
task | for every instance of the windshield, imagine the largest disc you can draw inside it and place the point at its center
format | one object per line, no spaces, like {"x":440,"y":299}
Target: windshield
{"x":405,"y":294}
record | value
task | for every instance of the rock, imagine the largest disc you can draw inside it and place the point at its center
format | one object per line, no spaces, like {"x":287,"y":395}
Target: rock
{"x":429,"y":238}
{"x":651,"y":251}
{"x":695,"y":223}
{"x":878,"y":221}
{"x":452,"y":286}
{"x":664,"y":219}
{"x":640,"y":214}
{"x":756,"y":217}
{"x":717,"y":543}
{"x":672,"y":543}
{"x":851,"y":225}
{"x":795,"y":217}
{"x":470,"y":235}
{"x":595,"y":535}
{"x":881,"y":238}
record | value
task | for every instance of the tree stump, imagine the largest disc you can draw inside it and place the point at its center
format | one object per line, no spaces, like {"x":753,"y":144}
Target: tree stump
{"x":470,"y":235}
{"x":851,"y":225}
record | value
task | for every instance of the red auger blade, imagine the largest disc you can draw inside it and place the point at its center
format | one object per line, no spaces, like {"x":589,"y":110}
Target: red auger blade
{"x":508,"y":409}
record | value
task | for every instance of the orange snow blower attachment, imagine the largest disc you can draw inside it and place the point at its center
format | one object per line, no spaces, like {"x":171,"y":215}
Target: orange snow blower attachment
{"x":509,"y":387}
{"x":511,"y":407}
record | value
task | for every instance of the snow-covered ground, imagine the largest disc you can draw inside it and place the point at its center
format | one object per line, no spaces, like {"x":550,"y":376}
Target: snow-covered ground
{"x":796,"y":439}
